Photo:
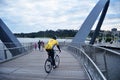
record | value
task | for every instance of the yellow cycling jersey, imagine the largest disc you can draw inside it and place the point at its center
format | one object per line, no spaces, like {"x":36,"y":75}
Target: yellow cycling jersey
{"x":51,"y":43}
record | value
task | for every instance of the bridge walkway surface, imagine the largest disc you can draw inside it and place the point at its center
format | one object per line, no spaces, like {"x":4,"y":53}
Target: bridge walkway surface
{"x":31,"y":67}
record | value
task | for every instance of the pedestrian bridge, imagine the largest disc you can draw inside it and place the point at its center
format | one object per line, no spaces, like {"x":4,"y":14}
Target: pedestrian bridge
{"x":31,"y":67}
{"x":79,"y":61}
{"x":84,"y":62}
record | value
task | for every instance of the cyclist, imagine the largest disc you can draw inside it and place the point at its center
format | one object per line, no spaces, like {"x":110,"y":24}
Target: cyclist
{"x":49,"y":47}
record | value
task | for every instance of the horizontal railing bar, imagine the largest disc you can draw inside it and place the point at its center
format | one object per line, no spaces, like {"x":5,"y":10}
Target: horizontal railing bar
{"x":99,"y":72}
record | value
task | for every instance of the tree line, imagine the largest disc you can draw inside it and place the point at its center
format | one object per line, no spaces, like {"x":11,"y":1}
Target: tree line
{"x":48,"y":33}
{"x":108,"y":35}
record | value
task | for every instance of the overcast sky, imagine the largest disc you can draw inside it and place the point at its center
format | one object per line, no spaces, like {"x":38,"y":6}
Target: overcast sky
{"x":39,"y":15}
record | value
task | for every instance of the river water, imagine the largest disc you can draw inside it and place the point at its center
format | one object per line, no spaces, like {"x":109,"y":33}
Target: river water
{"x":26,"y":40}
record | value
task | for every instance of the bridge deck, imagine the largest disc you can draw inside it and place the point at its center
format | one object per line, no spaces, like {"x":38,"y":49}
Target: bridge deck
{"x":31,"y":67}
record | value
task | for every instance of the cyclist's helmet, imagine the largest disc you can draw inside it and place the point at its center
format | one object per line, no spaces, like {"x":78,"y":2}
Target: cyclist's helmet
{"x":54,"y":37}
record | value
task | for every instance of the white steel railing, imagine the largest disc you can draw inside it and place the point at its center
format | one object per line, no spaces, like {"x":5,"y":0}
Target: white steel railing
{"x":100,"y":63}
{"x":5,"y":53}
{"x":90,"y":67}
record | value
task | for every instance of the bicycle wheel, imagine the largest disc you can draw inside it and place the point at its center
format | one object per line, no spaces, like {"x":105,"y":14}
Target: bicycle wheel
{"x":57,"y":61}
{"x":48,"y":66}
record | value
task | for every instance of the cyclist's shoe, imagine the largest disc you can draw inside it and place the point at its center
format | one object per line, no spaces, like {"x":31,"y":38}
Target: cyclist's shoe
{"x":54,"y":66}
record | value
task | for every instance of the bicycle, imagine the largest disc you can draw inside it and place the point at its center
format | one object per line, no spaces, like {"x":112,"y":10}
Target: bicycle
{"x":48,"y":63}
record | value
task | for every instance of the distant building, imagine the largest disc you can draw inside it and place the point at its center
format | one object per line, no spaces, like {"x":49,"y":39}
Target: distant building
{"x":114,"y":29}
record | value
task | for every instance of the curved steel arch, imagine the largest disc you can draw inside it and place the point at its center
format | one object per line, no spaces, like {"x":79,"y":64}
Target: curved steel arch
{"x":7,"y":38}
{"x":83,"y":32}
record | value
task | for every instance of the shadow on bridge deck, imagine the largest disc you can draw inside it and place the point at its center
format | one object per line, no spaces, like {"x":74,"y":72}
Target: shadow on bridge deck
{"x":31,"y":67}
